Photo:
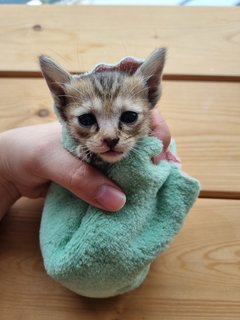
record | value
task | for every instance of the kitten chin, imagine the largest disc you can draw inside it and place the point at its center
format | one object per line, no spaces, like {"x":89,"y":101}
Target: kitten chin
{"x":111,"y":156}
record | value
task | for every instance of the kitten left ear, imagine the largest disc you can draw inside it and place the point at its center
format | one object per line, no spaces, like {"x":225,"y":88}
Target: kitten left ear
{"x":56,"y":77}
{"x":151,"y":71}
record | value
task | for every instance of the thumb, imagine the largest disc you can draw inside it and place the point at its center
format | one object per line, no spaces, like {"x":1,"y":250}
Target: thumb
{"x":81,"y":179}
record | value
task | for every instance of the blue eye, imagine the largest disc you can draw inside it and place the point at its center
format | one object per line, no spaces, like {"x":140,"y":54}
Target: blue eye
{"x":129,"y":117}
{"x":87,"y":120}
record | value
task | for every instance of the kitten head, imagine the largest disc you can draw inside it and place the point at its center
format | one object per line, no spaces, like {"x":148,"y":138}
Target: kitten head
{"x":106,"y":110}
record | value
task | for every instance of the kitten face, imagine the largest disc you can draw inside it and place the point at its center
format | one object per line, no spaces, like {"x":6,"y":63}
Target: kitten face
{"x":106,"y":111}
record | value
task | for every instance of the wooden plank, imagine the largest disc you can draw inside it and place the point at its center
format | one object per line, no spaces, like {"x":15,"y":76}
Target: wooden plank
{"x":204,"y":119}
{"x":24,"y":102}
{"x":201,"y":41}
{"x":196,"y":278}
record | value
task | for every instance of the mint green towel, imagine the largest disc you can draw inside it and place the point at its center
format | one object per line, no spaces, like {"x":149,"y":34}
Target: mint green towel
{"x":97,"y":254}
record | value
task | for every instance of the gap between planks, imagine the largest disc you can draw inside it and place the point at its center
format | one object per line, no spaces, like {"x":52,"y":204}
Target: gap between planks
{"x":168,"y":76}
{"x":224,"y":195}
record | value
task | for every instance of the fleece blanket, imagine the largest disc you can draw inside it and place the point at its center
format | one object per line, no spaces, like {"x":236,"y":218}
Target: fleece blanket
{"x":100,"y":254}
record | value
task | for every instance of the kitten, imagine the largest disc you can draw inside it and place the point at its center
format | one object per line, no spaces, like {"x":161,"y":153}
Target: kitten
{"x":107,"y":110}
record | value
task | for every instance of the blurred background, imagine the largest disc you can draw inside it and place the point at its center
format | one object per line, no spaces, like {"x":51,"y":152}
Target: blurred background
{"x":129,"y":2}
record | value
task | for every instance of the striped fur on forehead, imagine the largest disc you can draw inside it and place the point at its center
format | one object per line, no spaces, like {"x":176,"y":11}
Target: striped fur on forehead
{"x":108,"y":85}
{"x":107,"y":93}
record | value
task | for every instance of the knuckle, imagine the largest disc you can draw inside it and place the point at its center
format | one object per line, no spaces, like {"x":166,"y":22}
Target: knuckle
{"x":80,"y":176}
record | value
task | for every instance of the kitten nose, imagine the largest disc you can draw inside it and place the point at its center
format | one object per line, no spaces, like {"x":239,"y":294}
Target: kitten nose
{"x":111,"y":143}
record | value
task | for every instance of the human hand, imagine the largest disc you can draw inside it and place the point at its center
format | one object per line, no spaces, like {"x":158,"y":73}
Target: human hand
{"x":33,"y":156}
{"x":161,"y":131}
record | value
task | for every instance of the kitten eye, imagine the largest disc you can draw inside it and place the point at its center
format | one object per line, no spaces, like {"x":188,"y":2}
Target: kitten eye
{"x":87,"y":120}
{"x":129,"y":117}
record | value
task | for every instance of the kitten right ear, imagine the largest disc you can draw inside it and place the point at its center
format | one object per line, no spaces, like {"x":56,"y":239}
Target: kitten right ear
{"x":151,"y":71}
{"x":56,"y":77}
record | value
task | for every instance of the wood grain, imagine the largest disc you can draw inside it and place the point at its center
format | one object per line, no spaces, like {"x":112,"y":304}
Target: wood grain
{"x":201,"y":41}
{"x":204,"y":118}
{"x":196,"y":278}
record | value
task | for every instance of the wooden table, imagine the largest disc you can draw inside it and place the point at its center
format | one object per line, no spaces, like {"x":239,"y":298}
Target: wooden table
{"x":198,"y":277}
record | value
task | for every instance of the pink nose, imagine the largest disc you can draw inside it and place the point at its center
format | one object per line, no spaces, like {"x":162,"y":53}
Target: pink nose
{"x":111,"y":143}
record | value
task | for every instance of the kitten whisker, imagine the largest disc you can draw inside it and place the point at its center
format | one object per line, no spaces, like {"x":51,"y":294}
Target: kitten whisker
{"x":134,"y":94}
{"x":86,"y":155}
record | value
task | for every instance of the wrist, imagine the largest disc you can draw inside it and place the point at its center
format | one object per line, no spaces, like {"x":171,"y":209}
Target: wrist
{"x":8,"y":192}
{"x":8,"y":195}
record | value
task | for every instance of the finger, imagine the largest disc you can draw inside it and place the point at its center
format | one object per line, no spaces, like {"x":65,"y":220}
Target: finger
{"x":81,"y":179}
{"x":160,"y":130}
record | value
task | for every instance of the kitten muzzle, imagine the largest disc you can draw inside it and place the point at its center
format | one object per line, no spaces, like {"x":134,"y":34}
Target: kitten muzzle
{"x":111,"y":156}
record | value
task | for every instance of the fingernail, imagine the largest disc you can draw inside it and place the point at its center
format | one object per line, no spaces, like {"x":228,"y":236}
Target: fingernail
{"x":110,"y":198}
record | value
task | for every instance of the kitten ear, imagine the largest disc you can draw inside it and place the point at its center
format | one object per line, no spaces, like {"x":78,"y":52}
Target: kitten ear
{"x":151,"y":71}
{"x":56,"y":77}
